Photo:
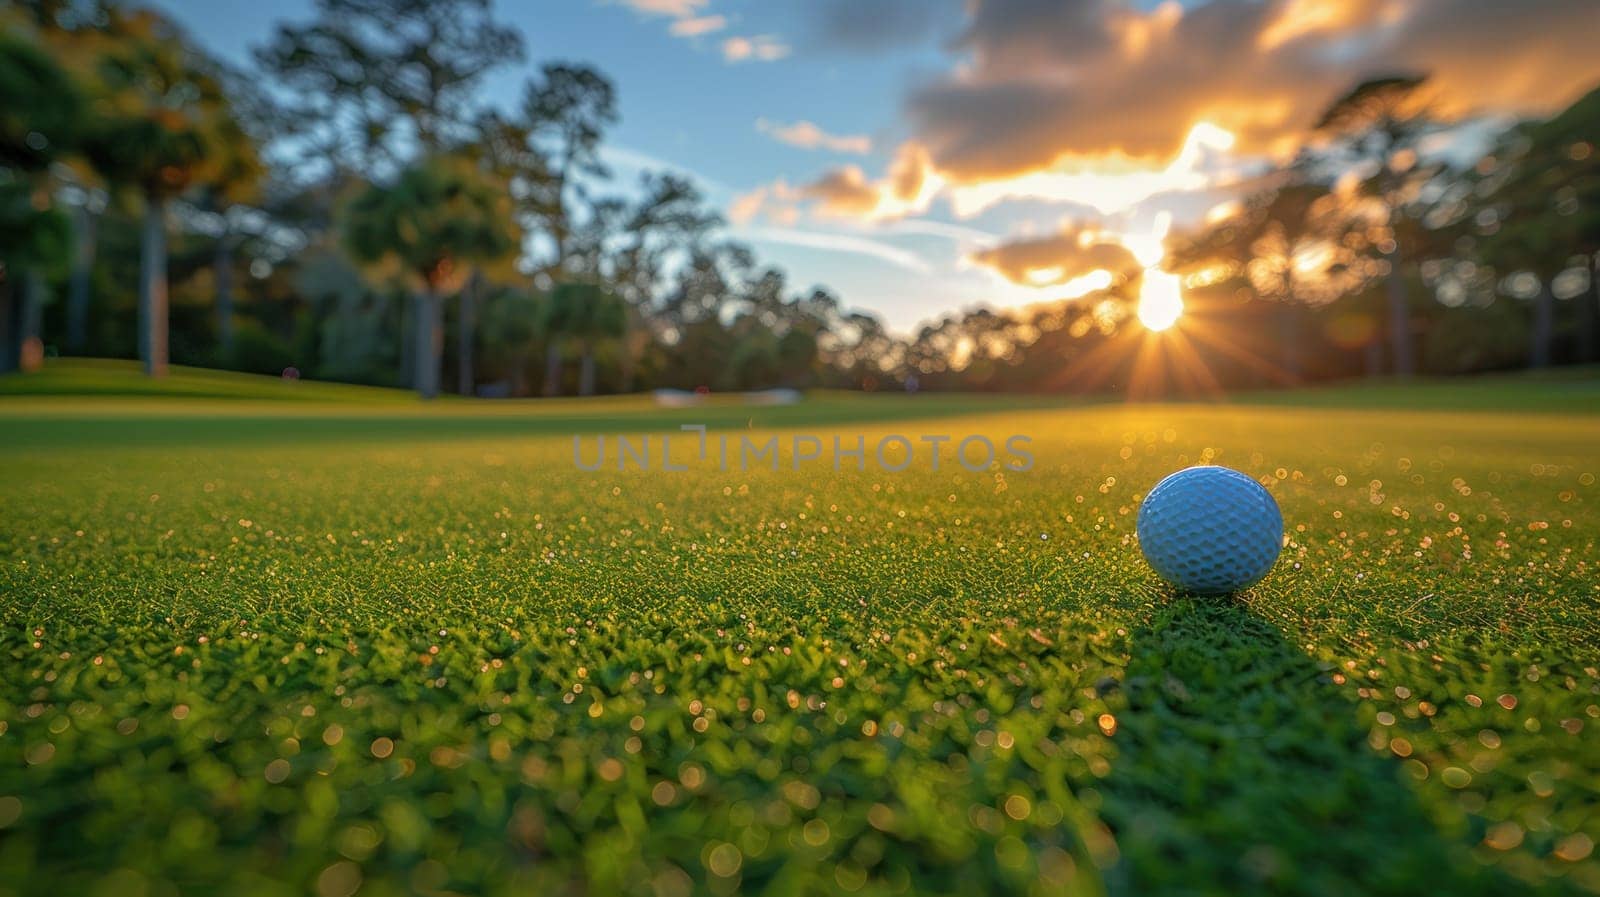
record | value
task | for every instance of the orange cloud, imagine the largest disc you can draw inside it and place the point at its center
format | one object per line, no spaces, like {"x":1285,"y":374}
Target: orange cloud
{"x":910,"y":175}
{"x":1101,"y":104}
{"x":1048,"y":81}
{"x":806,"y":135}
{"x":1082,"y":258}
{"x":847,"y":192}
{"x":844,"y":191}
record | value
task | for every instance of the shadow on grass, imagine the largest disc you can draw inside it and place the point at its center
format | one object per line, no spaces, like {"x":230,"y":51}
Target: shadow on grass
{"x":1241,"y":770}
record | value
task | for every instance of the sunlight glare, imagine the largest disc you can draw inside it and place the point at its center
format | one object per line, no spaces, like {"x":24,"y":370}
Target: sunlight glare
{"x":1160,"y":300}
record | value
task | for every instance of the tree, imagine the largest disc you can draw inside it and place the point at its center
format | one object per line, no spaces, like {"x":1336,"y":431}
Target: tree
{"x":438,"y":217}
{"x":1382,"y":122}
{"x":669,"y":217}
{"x":160,"y":124}
{"x":371,"y":81}
{"x":73,"y":35}
{"x":703,"y":287}
{"x":1543,"y":215}
{"x":362,"y":66}
{"x":41,"y":110}
{"x":516,"y":320}
{"x":565,"y":112}
{"x":233,"y":176}
{"x":1297,"y":246}
{"x":34,"y":240}
{"x":623,"y":243}
{"x":589,"y":315}
{"x":500,"y":147}
{"x":89,"y":201}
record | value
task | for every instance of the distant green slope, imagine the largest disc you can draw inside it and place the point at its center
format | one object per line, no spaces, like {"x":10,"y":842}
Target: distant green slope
{"x":113,"y":377}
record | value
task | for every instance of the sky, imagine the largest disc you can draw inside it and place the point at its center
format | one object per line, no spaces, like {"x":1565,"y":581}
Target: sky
{"x":920,"y":157}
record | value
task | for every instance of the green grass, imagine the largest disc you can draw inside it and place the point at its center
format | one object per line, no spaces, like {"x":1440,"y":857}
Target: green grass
{"x":279,"y":648}
{"x":78,"y":377}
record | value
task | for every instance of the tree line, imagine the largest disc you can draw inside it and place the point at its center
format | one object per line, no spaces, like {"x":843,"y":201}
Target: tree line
{"x":349,"y":208}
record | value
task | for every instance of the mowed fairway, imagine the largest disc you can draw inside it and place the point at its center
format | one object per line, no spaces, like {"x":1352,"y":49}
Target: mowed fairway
{"x":331,"y":647}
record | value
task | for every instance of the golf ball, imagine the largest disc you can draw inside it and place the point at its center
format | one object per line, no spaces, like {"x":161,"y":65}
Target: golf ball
{"x":1210,"y":530}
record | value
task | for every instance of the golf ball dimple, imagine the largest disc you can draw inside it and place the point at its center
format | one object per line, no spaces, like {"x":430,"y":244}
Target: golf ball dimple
{"x":1210,"y":530}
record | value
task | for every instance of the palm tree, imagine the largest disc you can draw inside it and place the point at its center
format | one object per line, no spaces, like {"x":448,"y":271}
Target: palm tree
{"x":437,"y":218}
{"x":158,"y":125}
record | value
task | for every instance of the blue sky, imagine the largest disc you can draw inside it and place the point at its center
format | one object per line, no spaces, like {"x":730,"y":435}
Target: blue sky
{"x":942,"y":128}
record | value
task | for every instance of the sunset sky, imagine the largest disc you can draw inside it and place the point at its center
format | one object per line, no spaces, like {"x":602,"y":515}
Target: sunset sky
{"x":921,"y":156}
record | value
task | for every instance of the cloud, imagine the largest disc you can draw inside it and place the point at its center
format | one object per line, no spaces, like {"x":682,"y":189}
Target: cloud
{"x":1080,"y":258}
{"x":691,"y":20}
{"x":749,"y":206}
{"x":871,"y":26}
{"x":677,"y":9}
{"x":910,"y":177}
{"x":1049,"y":83}
{"x":694,"y":27}
{"x":1109,"y":185}
{"x":759,"y":48}
{"x":847,"y":192}
{"x":844,"y":191}
{"x":1124,"y":108}
{"x":806,"y":135}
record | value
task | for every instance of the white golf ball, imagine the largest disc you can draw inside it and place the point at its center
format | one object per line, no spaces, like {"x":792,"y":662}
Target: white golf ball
{"x":1210,"y":530}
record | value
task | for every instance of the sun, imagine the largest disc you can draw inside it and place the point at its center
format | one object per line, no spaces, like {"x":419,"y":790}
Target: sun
{"x":1160,"y":300}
